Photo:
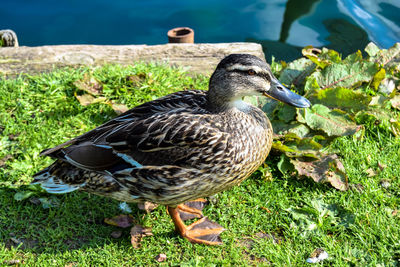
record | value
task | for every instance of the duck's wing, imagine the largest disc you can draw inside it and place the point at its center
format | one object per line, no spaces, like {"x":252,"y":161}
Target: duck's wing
{"x":167,"y":124}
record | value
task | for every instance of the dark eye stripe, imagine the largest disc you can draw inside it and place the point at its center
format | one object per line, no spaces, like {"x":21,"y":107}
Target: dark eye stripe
{"x":262,"y":74}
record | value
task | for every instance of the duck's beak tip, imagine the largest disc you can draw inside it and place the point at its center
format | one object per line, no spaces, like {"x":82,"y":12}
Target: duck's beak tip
{"x":281,"y":93}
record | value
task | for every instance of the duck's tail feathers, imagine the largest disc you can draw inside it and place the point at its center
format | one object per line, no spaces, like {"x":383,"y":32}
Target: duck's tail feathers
{"x":53,"y":184}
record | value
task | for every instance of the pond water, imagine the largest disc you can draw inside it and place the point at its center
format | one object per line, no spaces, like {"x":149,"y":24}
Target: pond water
{"x":283,"y":27}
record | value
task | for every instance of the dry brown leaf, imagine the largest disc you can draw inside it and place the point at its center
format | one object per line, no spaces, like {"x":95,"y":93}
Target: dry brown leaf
{"x":147,"y":206}
{"x":385,"y":183}
{"x":137,"y":78}
{"x":161,"y":257}
{"x":137,"y":233}
{"x":90,"y":85}
{"x":116,"y":234}
{"x":381,"y":166}
{"x":370,"y":172}
{"x":87,"y":99}
{"x":395,"y":101}
{"x":12,"y":262}
{"x":328,"y":169}
{"x":4,"y":159}
{"x":118,"y":108}
{"x":122,"y":220}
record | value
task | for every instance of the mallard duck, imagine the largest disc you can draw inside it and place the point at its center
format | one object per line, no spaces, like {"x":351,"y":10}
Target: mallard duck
{"x":179,"y":148}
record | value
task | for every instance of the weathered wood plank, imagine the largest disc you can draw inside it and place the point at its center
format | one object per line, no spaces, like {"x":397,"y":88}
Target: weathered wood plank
{"x":197,"y":58}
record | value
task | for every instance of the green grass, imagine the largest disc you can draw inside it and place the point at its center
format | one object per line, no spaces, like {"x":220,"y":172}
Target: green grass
{"x":356,"y":227}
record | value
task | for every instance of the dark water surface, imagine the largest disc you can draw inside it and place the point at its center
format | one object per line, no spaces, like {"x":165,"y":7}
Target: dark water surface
{"x":283,"y":27}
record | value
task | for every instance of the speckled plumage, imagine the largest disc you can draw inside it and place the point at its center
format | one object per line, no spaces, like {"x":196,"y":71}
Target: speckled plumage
{"x":185,"y":151}
{"x":181,"y":147}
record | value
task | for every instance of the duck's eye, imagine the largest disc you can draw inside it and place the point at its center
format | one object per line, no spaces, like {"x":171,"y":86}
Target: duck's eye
{"x":251,"y":72}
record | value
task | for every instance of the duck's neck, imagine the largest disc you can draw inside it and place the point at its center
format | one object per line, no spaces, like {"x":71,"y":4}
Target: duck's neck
{"x":217,"y":102}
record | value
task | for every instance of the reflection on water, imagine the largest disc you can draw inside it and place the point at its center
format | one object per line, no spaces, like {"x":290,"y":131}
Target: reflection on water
{"x":282,"y":26}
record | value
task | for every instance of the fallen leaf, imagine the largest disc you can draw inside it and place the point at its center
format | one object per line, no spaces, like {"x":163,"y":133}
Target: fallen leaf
{"x":387,"y":86}
{"x":266,"y":209}
{"x":161,"y":257}
{"x":357,"y":187}
{"x":381,"y":166}
{"x":23,"y":195}
{"x":16,"y":241}
{"x":395,"y":102}
{"x":87,"y":99}
{"x":116,"y":234}
{"x":35,"y":201}
{"x":371,"y":172}
{"x":137,"y":233}
{"x":147,"y":206}
{"x":4,"y":159}
{"x":12,"y":262}
{"x":328,"y":169}
{"x":378,"y":100}
{"x":124,"y":207}
{"x":118,"y":108}
{"x":122,"y":221}
{"x":89,"y":84}
{"x":137,"y":78}
{"x":49,"y":202}
{"x":385,"y":183}
{"x":317,"y":255}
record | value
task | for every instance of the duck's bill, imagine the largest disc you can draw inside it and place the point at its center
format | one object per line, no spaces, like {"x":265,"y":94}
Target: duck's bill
{"x":281,"y":93}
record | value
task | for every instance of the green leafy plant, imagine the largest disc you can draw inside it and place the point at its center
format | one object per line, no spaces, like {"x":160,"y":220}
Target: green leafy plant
{"x":347,"y":95}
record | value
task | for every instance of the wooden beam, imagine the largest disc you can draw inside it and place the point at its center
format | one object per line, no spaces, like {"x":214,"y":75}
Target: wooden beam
{"x":197,"y":58}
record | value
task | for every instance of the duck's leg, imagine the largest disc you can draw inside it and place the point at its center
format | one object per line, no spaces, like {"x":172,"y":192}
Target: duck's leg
{"x":192,"y":209}
{"x":202,"y":231}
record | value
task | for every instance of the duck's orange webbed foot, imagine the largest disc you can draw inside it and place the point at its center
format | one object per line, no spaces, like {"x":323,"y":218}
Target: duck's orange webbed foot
{"x":202,"y":231}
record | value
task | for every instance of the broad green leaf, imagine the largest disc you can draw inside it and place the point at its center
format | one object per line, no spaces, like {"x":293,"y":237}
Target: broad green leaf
{"x":311,"y":84}
{"x":286,"y":113}
{"x":333,"y":122}
{"x":372,"y":49}
{"x":276,"y":67}
{"x":378,"y":77}
{"x":385,"y":57}
{"x":345,"y":75}
{"x":378,"y":100}
{"x":384,"y":118}
{"x":294,"y":146}
{"x":282,"y":128}
{"x":267,"y":105}
{"x":297,"y":71}
{"x":284,"y":165}
{"x":340,"y":97}
{"x":353,"y":58}
{"x":313,"y":54}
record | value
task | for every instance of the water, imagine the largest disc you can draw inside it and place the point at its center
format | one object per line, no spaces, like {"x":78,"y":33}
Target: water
{"x":283,"y":27}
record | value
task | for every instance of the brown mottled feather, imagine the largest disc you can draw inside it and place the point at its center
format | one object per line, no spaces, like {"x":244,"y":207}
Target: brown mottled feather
{"x":183,"y":146}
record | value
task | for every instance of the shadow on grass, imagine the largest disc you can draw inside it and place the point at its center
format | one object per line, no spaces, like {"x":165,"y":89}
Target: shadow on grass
{"x":78,"y":222}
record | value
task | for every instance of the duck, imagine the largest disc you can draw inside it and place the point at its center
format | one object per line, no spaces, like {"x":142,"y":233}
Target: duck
{"x":178,"y":149}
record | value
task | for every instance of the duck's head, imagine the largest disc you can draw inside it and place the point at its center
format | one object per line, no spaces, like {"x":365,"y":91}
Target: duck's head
{"x":239,"y":75}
